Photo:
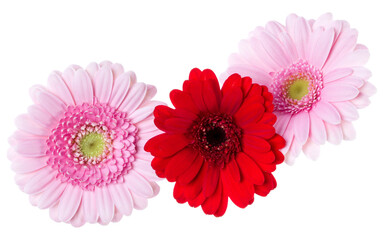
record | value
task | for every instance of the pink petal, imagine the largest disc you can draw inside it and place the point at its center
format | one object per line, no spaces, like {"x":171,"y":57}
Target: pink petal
{"x":117,"y":70}
{"x":293,"y":152}
{"x":311,"y":149}
{"x":334,"y":133}
{"x":155,"y":188}
{"x":318,"y":133}
{"x":41,"y":116}
{"x":89,"y":206}
{"x":151,"y":92}
{"x":323,"y":21}
{"x":282,"y":122}
{"x":104,"y":204}
{"x":69,"y":202}
{"x":146,"y":125}
{"x":361,"y":101}
{"x":337,"y":92}
{"x":258,"y":76}
{"x":139,"y":203}
{"x":288,"y":135}
{"x":337,"y":74}
{"x":117,"y":216}
{"x":361,"y":72}
{"x":54,"y":213}
{"x":48,"y":101}
{"x":78,"y":220}
{"x":300,"y":36}
{"x":358,"y":57}
{"x":34,"y":199}
{"x":92,"y":69}
{"x":144,"y":168}
{"x":348,"y":130}
{"x":52,"y":194}
{"x":39,"y":181}
{"x":274,"y":50}
{"x":321,"y":46}
{"x":342,"y":47}
{"x":134,"y":98}
{"x":121,"y":198}
{"x":26,"y":165}
{"x":27,"y":124}
{"x":285,"y":40}
{"x":31,"y":148}
{"x":58,"y":86}
{"x":143,"y":112}
{"x":103,"y":83}
{"x":82,"y":87}
{"x":138,"y":184}
{"x":327,"y":112}
{"x":301,"y":126}
{"x":347,"y":111}
{"x":68,"y":76}
{"x":120,"y":89}
{"x":354,"y":81}
{"x":368,"y":89}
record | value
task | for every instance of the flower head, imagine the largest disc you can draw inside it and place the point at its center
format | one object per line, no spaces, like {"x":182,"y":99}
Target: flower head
{"x":314,"y":69}
{"x":79,"y":149}
{"x":217,"y":143}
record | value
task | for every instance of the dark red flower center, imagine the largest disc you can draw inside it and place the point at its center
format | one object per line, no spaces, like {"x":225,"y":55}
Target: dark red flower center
{"x":217,"y":138}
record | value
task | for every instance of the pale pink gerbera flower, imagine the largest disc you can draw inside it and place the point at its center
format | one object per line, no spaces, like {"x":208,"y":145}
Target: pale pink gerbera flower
{"x":314,"y":69}
{"x":79,"y":149}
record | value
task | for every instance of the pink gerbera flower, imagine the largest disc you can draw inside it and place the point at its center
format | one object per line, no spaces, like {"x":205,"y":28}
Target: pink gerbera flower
{"x":79,"y":149}
{"x":314,"y":69}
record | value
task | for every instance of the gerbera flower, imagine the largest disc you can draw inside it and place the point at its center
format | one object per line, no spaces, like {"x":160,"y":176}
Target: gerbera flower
{"x":217,"y":143}
{"x":79,"y":149}
{"x":314,"y":69}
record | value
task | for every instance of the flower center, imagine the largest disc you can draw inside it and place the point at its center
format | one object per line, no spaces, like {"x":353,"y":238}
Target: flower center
{"x":92,"y":144}
{"x":297,"y":88}
{"x":217,"y":138}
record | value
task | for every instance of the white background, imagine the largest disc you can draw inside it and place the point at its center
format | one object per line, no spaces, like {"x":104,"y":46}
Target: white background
{"x":340,"y":196}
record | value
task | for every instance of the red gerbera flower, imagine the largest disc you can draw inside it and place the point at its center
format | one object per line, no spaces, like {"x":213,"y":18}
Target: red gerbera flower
{"x":217,"y":143}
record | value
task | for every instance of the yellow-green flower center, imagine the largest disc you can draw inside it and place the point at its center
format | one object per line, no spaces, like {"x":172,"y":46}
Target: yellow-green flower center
{"x":298,"y":89}
{"x":92,"y":144}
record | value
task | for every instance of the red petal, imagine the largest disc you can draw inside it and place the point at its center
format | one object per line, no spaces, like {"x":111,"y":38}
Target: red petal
{"x":232,"y":81}
{"x":189,"y":175}
{"x":178,"y":194}
{"x":268,"y":118}
{"x":231,"y":101}
{"x":240,"y":193}
{"x":257,"y":143}
{"x":194,"y":188}
{"x":248,"y":113}
{"x":235,"y":80}
{"x":270,"y":184}
{"x":211,"y":179}
{"x":197,"y":201}
{"x":211,"y":94}
{"x":249,"y":169}
{"x":223,"y":204}
{"x":195,"y":74}
{"x":277,"y":142}
{"x":234,"y":170}
{"x":179,"y":163}
{"x":212,"y":204}
{"x":173,"y":120}
{"x":182,"y":100}
{"x":159,"y":164}
{"x":260,"y":130}
{"x":166,"y":145}
{"x":175,"y":125}
{"x":259,"y":157}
